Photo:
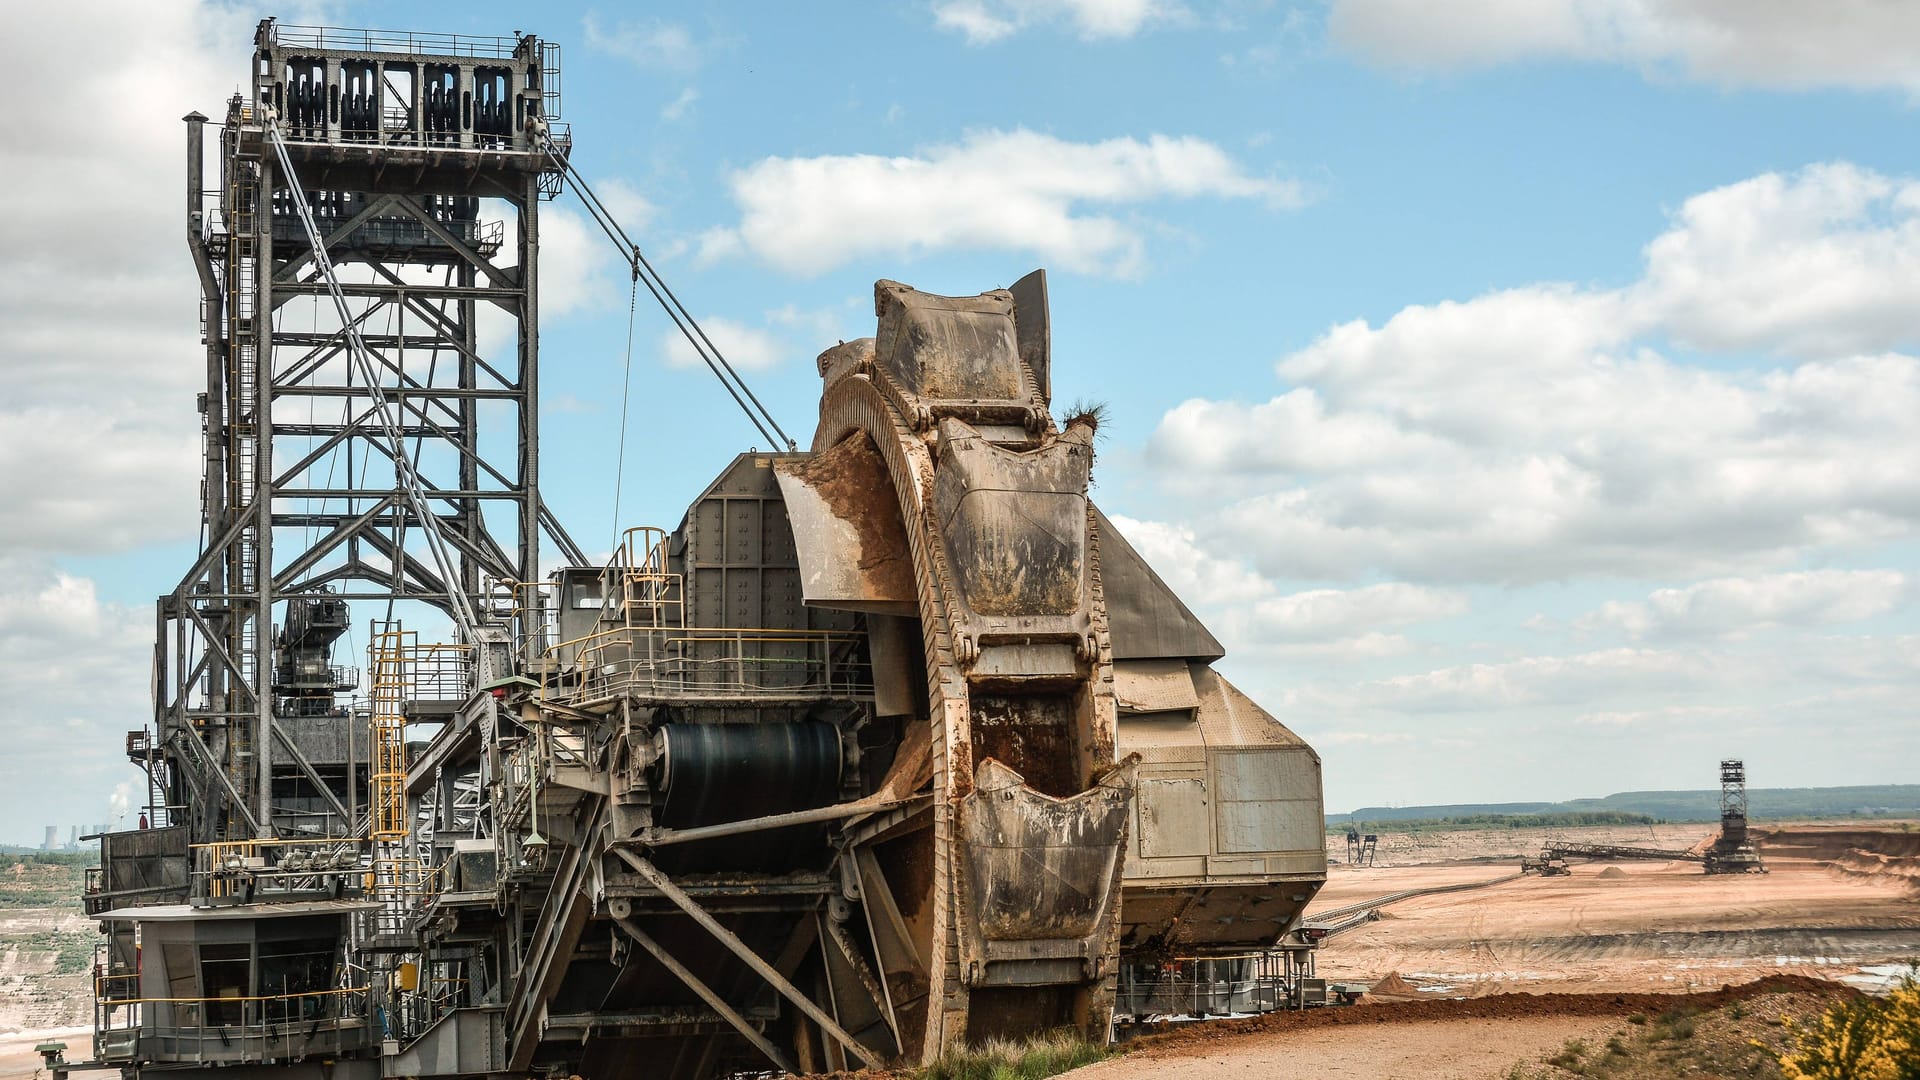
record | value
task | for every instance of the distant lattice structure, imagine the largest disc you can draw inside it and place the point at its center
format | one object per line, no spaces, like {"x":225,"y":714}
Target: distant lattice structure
{"x":1733,"y":852}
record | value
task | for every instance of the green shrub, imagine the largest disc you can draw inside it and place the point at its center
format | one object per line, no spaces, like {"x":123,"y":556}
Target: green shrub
{"x":1570,"y":1055}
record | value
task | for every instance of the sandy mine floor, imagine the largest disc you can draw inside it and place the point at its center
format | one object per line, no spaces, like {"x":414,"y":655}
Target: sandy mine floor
{"x":1428,"y":1050}
{"x":1837,"y":901}
{"x":19,"y":1062}
{"x":1480,"y":1037}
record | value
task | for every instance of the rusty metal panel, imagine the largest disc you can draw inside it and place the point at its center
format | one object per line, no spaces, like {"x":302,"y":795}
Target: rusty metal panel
{"x":1154,"y":686}
{"x":848,"y":536}
{"x":1161,"y":737}
{"x":1033,"y":329}
{"x":956,"y":348}
{"x":1015,"y":523}
{"x":1267,"y":801}
{"x":1261,"y":775}
{"x":1040,"y":874}
{"x":1277,"y":825}
{"x":1176,"y":818}
{"x":1229,"y":718}
{"x":893,"y":644}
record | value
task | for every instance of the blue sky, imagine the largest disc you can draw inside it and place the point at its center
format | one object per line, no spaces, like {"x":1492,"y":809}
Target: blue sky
{"x":1525,"y":393}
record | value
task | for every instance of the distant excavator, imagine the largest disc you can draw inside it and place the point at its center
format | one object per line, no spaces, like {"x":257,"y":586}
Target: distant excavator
{"x":1732,"y":851}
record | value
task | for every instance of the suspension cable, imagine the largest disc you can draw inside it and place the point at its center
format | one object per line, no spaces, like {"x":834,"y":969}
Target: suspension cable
{"x":626,"y":384}
{"x":683,"y":320}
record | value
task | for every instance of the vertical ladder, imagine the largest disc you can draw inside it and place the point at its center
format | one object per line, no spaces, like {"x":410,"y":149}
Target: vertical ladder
{"x":243,"y":435}
{"x":398,"y":875}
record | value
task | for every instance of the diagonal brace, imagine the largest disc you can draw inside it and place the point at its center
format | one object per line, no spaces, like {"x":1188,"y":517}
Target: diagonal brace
{"x":706,"y":993}
{"x":747,"y":956}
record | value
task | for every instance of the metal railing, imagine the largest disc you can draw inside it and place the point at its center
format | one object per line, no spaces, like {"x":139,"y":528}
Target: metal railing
{"x":394,"y":232}
{"x":349,"y":39}
{"x":441,"y":671}
{"x":649,"y":653}
{"x":240,"y":870}
{"x":1214,"y":986}
{"x":404,"y":886}
{"x":398,"y":127}
{"x":673,"y":664}
{"x":231,"y":1028}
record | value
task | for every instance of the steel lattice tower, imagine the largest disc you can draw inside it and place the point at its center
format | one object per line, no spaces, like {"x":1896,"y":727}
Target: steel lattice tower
{"x":1734,"y":851}
{"x":396,"y":141}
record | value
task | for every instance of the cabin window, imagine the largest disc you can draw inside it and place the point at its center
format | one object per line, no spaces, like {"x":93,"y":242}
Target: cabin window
{"x":226,"y":977}
{"x":300,"y":972}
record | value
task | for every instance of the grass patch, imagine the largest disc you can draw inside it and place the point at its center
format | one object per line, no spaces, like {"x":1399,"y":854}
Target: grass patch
{"x":72,"y":949}
{"x":1027,"y":1059}
{"x":1570,"y":1056}
{"x":1686,"y":1041}
{"x":51,"y":880}
{"x":1676,"y":1024}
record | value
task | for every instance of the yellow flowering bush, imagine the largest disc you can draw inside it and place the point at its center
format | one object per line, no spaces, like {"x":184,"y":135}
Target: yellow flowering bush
{"x":1866,"y":1039}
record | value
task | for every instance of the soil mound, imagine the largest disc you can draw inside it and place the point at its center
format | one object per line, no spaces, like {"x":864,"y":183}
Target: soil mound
{"x":1874,"y":854}
{"x":1612,"y":872}
{"x":1392,"y":986}
{"x":1181,"y":1037}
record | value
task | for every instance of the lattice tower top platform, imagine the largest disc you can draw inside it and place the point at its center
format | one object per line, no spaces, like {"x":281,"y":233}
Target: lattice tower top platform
{"x":374,"y":110}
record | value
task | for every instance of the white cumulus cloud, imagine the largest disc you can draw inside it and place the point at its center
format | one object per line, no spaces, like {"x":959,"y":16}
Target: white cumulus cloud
{"x":1543,"y":432}
{"x":98,"y":432}
{"x":1321,"y":614}
{"x":650,"y":43}
{"x":1856,"y":44}
{"x":78,"y":667}
{"x":1249,"y":611}
{"x":1735,"y":605}
{"x":994,"y":190}
{"x":747,"y":348}
{"x":986,"y":21}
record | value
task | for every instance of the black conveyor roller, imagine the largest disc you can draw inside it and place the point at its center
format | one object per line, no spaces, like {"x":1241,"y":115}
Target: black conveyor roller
{"x":709,"y":774}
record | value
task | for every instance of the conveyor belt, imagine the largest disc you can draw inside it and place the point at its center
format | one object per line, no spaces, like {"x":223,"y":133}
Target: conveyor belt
{"x":1346,"y":918}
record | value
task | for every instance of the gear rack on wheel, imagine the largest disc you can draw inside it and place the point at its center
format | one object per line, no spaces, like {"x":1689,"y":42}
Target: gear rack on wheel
{"x":893,"y":744}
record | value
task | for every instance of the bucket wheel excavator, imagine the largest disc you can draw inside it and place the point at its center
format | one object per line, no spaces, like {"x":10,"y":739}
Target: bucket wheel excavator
{"x":891,"y":745}
{"x":904,"y":746}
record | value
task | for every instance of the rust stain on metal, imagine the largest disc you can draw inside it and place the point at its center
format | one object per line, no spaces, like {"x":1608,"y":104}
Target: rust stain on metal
{"x":852,"y":478}
{"x":1031,"y":735}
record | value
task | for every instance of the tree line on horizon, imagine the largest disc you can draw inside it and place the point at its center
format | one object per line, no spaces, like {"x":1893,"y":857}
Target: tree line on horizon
{"x":1866,"y":801}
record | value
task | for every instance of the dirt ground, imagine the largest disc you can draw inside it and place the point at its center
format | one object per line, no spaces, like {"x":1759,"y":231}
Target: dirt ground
{"x":1484,"y":1037}
{"x":1429,"y":1050}
{"x":1430,"y":846}
{"x":19,"y":1062}
{"x":1493,"y":980}
{"x":1838,"y":903}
